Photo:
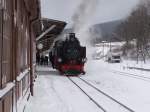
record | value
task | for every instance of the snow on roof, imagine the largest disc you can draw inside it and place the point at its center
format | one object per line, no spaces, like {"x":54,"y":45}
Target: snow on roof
{"x":110,"y":43}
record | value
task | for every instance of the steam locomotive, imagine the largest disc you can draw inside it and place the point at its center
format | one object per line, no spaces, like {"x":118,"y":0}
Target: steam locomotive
{"x":68,"y":56}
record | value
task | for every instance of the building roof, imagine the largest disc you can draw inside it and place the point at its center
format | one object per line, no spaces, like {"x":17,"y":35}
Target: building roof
{"x":41,"y":25}
{"x":48,"y":39}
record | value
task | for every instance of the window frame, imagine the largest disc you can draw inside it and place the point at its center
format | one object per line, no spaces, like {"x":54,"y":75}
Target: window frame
{"x":1,"y":45}
{"x":1,"y":4}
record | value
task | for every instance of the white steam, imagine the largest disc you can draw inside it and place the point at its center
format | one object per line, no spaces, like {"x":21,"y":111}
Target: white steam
{"x":83,"y":14}
{"x":82,"y":20}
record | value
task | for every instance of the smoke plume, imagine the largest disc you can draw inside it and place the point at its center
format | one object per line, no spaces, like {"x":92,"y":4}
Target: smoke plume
{"x":82,"y":19}
{"x":83,"y":14}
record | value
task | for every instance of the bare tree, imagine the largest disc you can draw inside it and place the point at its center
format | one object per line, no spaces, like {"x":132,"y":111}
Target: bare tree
{"x":137,"y":26}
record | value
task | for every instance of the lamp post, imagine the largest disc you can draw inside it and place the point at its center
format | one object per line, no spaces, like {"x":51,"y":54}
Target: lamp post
{"x":103,"y":48}
{"x":110,"y":45}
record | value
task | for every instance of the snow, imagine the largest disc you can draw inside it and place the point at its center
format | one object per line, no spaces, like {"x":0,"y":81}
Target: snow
{"x":130,"y":91}
{"x":23,"y":102}
{"x":8,"y":87}
{"x":22,"y":75}
{"x":125,"y":65}
{"x":108,"y":44}
{"x":56,"y":93}
{"x":106,"y":103}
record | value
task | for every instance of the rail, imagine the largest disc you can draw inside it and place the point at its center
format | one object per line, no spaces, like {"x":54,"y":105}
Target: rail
{"x":107,"y":95}
{"x":99,"y":106}
{"x":135,"y":76}
{"x":101,"y":92}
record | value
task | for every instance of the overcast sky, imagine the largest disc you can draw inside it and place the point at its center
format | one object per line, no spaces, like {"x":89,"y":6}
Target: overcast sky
{"x":107,"y":10}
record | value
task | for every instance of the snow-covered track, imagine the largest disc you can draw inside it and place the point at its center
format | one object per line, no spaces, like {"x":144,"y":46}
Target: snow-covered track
{"x":99,"y":106}
{"x":106,"y":102}
{"x":140,"y":77}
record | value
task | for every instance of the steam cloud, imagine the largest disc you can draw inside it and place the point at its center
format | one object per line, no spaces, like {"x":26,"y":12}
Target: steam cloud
{"x":83,"y":14}
{"x":81,"y":19}
{"x":146,"y":3}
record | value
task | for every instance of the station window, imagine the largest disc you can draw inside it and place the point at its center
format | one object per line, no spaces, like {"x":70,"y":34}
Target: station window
{"x":2,"y":4}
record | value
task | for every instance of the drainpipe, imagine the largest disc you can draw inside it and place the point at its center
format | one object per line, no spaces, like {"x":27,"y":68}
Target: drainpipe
{"x":31,"y":58}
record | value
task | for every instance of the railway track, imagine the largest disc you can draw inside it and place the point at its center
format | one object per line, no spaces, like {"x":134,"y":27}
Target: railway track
{"x":140,"y":77}
{"x":99,"y":106}
{"x":102,"y":100}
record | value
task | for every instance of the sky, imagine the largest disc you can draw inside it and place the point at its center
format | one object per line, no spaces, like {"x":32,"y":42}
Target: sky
{"x":106,"y":10}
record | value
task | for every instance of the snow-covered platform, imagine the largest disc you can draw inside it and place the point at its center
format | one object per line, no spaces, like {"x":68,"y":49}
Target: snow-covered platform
{"x":55,"y":93}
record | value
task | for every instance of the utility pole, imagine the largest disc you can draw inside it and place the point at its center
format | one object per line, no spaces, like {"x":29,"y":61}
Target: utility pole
{"x":103,"y":42}
{"x":110,"y":45}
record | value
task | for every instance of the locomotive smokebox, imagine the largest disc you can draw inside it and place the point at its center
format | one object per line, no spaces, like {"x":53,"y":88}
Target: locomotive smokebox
{"x":72,"y":35}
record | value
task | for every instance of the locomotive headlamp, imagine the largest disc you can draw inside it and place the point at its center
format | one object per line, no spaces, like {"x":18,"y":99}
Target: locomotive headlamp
{"x":59,"y":60}
{"x":84,"y":59}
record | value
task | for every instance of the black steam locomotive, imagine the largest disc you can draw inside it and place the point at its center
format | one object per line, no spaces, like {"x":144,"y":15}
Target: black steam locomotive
{"x":68,"y":56}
